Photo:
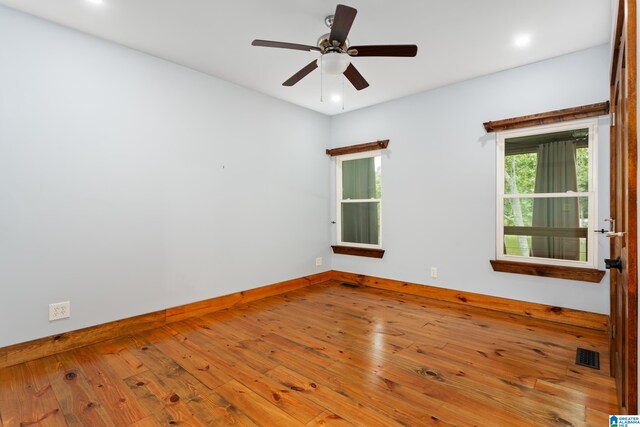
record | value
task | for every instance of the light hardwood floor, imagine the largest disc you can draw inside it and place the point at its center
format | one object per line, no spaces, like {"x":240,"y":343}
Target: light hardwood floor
{"x":323,"y":355}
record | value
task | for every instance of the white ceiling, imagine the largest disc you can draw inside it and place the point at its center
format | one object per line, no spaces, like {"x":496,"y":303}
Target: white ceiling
{"x":457,"y":39}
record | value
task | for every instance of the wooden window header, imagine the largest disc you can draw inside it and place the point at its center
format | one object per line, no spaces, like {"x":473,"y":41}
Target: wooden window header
{"x":360,"y":148}
{"x":557,"y":116}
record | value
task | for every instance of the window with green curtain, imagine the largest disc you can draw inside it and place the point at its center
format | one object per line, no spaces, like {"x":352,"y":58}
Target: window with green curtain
{"x":360,"y":200}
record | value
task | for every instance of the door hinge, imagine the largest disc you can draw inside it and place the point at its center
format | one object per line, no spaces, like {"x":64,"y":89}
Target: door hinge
{"x":613,"y":118}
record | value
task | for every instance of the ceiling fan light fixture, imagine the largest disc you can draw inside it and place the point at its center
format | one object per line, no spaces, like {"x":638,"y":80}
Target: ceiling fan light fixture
{"x":335,"y":63}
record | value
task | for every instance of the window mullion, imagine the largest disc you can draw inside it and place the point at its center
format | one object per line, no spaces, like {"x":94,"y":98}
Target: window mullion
{"x":360,"y":201}
{"x":548,"y":195}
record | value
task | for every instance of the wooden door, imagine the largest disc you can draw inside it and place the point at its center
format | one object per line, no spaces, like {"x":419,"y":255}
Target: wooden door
{"x":624,"y":320}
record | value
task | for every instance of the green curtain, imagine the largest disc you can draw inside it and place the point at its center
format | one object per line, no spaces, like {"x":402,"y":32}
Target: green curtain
{"x":556,"y":173}
{"x":360,"y":221}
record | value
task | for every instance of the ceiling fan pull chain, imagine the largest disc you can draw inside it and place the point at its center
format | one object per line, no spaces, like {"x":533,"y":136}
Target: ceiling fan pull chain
{"x":321,"y":100}
{"x":343,"y":92}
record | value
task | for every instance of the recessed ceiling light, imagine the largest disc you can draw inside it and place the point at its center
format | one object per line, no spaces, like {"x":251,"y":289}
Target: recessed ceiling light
{"x":96,"y":1}
{"x":522,"y":40}
{"x":336,"y":97}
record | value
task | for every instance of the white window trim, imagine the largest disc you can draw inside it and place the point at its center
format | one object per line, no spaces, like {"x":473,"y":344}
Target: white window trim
{"x":339,"y":201}
{"x":592,"y":242}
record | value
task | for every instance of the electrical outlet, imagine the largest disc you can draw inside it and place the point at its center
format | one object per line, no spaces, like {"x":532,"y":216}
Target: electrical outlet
{"x":318,"y":261}
{"x":434,"y":272}
{"x":59,"y":310}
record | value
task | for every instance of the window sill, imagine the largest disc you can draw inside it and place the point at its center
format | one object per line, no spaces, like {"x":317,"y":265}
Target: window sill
{"x":350,"y":250}
{"x":544,"y":270}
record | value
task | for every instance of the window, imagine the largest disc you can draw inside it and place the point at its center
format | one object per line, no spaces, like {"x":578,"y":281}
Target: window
{"x":546,"y":194}
{"x":359,"y":200}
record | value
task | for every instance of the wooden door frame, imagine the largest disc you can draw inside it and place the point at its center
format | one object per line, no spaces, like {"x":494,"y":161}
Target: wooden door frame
{"x":626,"y":31}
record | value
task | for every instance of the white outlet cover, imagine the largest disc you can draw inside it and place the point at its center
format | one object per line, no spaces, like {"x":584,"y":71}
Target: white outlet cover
{"x":318,"y":261}
{"x":59,"y":310}
{"x":434,"y":272}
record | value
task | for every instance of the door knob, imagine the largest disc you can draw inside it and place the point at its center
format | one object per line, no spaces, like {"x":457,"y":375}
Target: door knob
{"x":613,"y":263}
{"x":614,"y":234}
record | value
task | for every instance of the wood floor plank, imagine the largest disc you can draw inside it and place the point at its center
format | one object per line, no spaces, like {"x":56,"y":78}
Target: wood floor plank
{"x":361,"y":385}
{"x":597,"y":418}
{"x":150,"y":421}
{"x":319,"y":356}
{"x":209,"y":374}
{"x":603,"y":402}
{"x":578,"y":374}
{"x":168,"y":402}
{"x":79,"y":403}
{"x":327,"y":330}
{"x":169,"y":384}
{"x":485,"y":409}
{"x":258,"y":409}
{"x":338,"y":403}
{"x":553,"y":356}
{"x":424,"y":409}
{"x":518,"y":398}
{"x":519,"y":372}
{"x":119,"y":358}
{"x":300,"y":409}
{"x":226,"y":338}
{"x":360,"y":327}
{"x":406,"y":405}
{"x":329,"y":419}
{"x":113,"y":395}
{"x":27,"y":398}
{"x":231,"y":414}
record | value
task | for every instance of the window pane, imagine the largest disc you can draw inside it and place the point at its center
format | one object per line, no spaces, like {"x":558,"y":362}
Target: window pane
{"x":378,"y":166}
{"x":547,"y":163}
{"x":361,"y":222}
{"x":520,"y":173}
{"x":582,"y":166}
{"x":361,"y":178}
{"x":546,"y":227}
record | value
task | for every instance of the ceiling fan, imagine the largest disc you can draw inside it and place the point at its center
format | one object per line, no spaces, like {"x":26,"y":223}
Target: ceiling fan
{"x":335,"y":50}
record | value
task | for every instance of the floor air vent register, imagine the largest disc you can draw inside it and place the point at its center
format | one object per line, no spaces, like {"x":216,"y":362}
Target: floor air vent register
{"x":588,"y":358}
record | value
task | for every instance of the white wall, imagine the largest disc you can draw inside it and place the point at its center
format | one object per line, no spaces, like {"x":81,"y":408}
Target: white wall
{"x":439,"y":173}
{"x":130,"y":184}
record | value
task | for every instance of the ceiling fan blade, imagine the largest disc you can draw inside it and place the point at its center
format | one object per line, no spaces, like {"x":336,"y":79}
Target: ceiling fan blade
{"x":342,"y":21}
{"x":284,"y":45}
{"x":355,"y":77}
{"x":301,"y":74}
{"x":386,"y":50}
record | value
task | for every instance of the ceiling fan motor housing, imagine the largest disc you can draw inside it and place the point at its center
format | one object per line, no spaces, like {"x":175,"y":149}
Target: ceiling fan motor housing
{"x":326,"y":45}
